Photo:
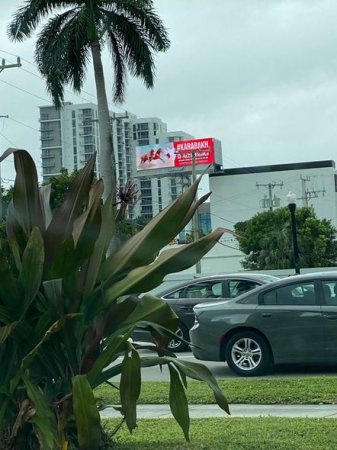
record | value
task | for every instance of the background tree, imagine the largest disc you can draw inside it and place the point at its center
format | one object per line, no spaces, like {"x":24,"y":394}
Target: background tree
{"x":133,"y":33}
{"x":266,"y":240}
{"x":59,"y":187}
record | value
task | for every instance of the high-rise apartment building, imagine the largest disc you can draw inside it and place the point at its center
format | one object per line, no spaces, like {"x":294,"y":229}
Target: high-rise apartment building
{"x":69,"y":137}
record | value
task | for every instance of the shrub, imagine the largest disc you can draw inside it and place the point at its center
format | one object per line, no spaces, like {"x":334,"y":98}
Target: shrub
{"x":67,"y":311}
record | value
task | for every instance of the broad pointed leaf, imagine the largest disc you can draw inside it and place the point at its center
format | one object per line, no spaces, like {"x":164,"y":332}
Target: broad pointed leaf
{"x":178,"y":401}
{"x":130,"y":388}
{"x":45,"y":191}
{"x":200,"y":372}
{"x":86,"y":414}
{"x":26,"y":196}
{"x":107,"y":356}
{"x":32,"y":266}
{"x":87,"y":226}
{"x":101,"y":246}
{"x":10,"y":296}
{"x":148,"y":277}
{"x":142,"y":248}
{"x":6,"y":331}
{"x":44,"y":421}
{"x":61,"y":227}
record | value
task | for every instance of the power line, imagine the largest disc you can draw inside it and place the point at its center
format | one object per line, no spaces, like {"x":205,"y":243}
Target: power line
{"x":66,"y":90}
{"x":27,"y":92}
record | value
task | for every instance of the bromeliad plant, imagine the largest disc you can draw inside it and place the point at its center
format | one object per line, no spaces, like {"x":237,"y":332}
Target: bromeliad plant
{"x":67,"y":311}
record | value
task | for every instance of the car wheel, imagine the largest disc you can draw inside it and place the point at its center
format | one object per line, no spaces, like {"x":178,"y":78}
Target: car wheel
{"x":175,"y":344}
{"x":248,"y":354}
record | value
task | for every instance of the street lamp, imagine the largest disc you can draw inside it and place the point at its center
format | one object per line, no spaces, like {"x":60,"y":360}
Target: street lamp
{"x":291,"y":198}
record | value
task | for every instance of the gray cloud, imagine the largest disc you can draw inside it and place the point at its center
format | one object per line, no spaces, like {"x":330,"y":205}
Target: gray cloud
{"x":260,"y":75}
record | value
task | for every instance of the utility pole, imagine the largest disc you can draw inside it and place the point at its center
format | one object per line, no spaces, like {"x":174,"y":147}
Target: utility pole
{"x":270,"y":201}
{"x":304,"y":198}
{"x":9,"y":66}
{"x":308,"y":195}
{"x":3,"y":67}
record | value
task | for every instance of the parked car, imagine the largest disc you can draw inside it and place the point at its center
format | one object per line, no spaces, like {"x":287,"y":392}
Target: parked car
{"x":293,"y":320}
{"x":185,"y":296}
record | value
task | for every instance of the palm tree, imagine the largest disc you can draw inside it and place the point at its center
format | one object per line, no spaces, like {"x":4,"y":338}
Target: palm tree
{"x":79,"y":29}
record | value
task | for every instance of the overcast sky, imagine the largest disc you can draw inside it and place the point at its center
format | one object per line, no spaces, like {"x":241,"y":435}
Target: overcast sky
{"x":260,"y":75}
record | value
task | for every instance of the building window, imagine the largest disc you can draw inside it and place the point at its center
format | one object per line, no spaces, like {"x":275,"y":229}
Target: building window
{"x":143,"y":126}
{"x":143,"y":142}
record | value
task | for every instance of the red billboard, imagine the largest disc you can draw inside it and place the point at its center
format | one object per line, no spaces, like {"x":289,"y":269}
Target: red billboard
{"x":175,"y":154}
{"x":202,"y":149}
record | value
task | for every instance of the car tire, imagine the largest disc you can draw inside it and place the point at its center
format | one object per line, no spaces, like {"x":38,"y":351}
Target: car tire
{"x":175,"y":345}
{"x":248,"y":354}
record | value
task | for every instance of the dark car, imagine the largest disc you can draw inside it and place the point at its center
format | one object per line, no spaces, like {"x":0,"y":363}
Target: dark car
{"x":293,"y":320}
{"x":184,"y":297}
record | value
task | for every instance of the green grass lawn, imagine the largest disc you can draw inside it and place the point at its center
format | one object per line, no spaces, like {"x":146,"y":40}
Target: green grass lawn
{"x":287,"y":390}
{"x":229,"y":434}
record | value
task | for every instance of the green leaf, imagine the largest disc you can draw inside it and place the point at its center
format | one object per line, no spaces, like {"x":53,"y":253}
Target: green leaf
{"x":44,"y":422}
{"x":54,"y":295}
{"x":6,"y":331}
{"x":101,"y":246}
{"x":142,"y":248}
{"x":151,"y":309}
{"x":130,"y":385}
{"x":87,"y":226}
{"x":32,"y":266}
{"x":145,"y":278}
{"x":45,"y":191}
{"x":61,"y":227}
{"x":178,"y":401}
{"x":193,"y":370}
{"x":10,"y":296}
{"x":86,"y":414}
{"x":26,"y":196}
{"x":200,"y":372}
{"x":15,"y":234}
{"x":106,"y":357}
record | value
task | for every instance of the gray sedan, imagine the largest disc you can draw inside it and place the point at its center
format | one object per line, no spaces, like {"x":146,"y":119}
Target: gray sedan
{"x":183,"y":297}
{"x":293,"y":320}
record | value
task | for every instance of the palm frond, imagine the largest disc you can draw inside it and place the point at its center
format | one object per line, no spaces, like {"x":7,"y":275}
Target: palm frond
{"x":117,"y":55}
{"x":27,"y":18}
{"x":62,"y":52}
{"x":143,"y":15}
{"x":135,"y":47}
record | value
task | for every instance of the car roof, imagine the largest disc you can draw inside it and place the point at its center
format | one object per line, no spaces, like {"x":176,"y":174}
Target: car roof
{"x":262,"y":277}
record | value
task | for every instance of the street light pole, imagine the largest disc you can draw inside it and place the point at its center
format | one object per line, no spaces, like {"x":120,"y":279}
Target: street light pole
{"x":291,"y":198}
{"x":195,"y":219}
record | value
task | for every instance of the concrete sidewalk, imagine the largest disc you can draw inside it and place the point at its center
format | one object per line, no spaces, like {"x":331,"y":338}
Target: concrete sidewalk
{"x":199,"y":411}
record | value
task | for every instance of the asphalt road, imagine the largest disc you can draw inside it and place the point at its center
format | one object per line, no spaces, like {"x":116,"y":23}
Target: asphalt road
{"x":221,"y":371}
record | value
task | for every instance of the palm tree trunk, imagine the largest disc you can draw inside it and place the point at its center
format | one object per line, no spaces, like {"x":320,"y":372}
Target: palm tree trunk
{"x":106,"y":162}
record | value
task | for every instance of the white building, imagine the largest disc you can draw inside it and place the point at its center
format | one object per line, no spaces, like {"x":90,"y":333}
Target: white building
{"x":239,"y":193}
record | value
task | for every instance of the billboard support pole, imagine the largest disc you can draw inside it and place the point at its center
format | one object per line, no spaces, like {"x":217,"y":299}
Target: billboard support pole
{"x":195,"y":219}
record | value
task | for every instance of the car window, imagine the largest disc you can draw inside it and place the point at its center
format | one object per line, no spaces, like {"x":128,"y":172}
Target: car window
{"x":330,"y":292}
{"x":175,"y":294}
{"x":294,"y":294}
{"x":238,"y":287}
{"x":205,"y":289}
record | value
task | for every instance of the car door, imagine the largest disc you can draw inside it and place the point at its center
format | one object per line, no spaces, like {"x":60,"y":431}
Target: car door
{"x":329,"y":314}
{"x":290,"y":317}
{"x":184,"y":299}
